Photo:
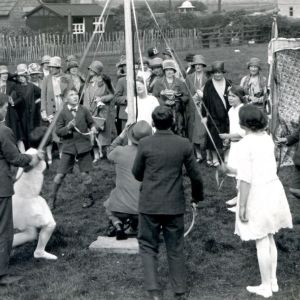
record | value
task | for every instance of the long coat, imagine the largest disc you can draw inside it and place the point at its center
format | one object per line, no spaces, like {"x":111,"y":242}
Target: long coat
{"x":217,"y":113}
{"x":14,"y":114}
{"x":158,"y":164}
{"x":120,"y":98}
{"x":195,"y":129}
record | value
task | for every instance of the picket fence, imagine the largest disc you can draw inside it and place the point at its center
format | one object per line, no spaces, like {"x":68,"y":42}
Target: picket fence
{"x":32,"y":48}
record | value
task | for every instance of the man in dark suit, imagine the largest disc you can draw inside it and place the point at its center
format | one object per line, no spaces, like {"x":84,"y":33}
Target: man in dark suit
{"x":72,"y":127}
{"x":158,"y":165}
{"x":9,"y":155}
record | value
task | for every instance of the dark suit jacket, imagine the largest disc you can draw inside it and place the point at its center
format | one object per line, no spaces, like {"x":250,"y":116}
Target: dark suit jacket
{"x":74,"y":142}
{"x":120,"y":98}
{"x":158,"y":164}
{"x":9,"y":155}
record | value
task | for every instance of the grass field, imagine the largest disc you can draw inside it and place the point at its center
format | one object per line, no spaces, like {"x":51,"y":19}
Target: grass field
{"x":220,"y":266}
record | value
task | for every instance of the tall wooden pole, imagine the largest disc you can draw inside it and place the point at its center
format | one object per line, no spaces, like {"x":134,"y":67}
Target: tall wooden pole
{"x":219,"y":5}
{"x":129,"y":61}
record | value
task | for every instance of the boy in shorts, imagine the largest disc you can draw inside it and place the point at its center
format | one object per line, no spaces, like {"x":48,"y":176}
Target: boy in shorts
{"x":73,"y":125}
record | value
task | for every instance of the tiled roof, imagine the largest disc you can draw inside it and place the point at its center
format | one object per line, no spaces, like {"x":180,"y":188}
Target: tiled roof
{"x":75,"y":9}
{"x":6,"y":6}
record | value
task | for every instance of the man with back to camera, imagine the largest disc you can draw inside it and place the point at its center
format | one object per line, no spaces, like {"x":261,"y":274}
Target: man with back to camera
{"x":158,"y":164}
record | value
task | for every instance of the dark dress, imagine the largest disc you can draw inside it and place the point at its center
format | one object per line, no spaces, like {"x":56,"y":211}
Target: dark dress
{"x":14,"y":113}
{"x":216,"y":113}
{"x":31,"y":116}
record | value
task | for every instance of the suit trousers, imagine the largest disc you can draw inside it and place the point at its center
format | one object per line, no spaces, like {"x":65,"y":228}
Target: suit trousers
{"x":6,"y":233}
{"x":172,"y":227}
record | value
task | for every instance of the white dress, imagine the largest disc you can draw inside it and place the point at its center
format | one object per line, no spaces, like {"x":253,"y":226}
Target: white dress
{"x":267,"y":205}
{"x":235,"y":127}
{"x":29,"y":208}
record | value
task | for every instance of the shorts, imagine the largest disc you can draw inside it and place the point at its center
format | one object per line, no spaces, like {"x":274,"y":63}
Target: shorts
{"x":68,"y":161}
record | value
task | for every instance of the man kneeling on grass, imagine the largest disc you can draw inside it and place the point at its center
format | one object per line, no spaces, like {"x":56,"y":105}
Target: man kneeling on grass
{"x":122,"y":204}
{"x":158,"y":164}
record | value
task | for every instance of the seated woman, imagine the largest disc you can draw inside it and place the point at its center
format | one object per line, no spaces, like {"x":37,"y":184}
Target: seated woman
{"x":122,"y":203}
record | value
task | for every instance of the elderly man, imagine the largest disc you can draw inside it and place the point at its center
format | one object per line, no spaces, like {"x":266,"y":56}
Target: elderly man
{"x":158,"y":165}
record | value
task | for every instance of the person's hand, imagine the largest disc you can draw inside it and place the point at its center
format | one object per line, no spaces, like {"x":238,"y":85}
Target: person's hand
{"x":44,"y":115}
{"x":194,"y":205}
{"x":162,"y":92}
{"x":169,"y":102}
{"x":41,"y":154}
{"x":224,"y":136}
{"x":71,"y":124}
{"x":94,"y":130}
{"x":50,"y":118}
{"x":11,"y":101}
{"x":200,"y":93}
{"x":195,"y":97}
{"x":243,"y":214}
{"x":124,"y":132}
{"x":281,"y":141}
{"x":34,"y":160}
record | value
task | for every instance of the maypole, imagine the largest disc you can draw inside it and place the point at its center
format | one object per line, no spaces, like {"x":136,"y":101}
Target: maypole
{"x":129,"y":62}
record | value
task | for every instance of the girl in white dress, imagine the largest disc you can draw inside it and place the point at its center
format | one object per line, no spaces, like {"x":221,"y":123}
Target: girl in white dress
{"x":30,"y":211}
{"x":262,"y":206}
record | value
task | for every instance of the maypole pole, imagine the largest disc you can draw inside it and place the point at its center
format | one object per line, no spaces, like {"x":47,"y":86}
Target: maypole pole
{"x":129,"y":62}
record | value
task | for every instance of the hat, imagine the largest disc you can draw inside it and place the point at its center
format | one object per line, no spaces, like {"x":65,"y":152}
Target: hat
{"x":198,"y":60}
{"x":96,"y":66}
{"x":55,"y":62}
{"x":72,"y":64}
{"x":169,"y":64}
{"x":156,"y":62}
{"x":152,"y":52}
{"x":254,"y":61}
{"x":34,"y":68}
{"x":145,"y":60}
{"x":189,"y":57}
{"x":22,"y":69}
{"x":3,"y":70}
{"x":122,"y":61}
{"x":138,"y":131}
{"x":45,"y":59}
{"x":71,"y":58}
{"x":168,"y":51}
{"x":218,"y":66}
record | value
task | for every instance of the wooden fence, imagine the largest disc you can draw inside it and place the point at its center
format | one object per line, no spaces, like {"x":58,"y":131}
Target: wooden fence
{"x":32,"y":48}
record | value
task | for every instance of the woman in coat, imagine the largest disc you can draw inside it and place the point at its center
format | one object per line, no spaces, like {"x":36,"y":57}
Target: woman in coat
{"x":215,"y":110}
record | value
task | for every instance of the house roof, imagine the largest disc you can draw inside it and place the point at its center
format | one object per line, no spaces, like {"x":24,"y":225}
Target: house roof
{"x":6,"y":6}
{"x":63,"y":10}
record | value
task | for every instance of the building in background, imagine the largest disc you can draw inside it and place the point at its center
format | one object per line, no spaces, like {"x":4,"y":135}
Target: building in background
{"x":186,"y":7}
{"x":75,"y":18}
{"x":289,"y":8}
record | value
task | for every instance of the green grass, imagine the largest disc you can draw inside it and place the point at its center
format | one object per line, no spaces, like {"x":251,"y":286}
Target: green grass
{"x":220,"y":266}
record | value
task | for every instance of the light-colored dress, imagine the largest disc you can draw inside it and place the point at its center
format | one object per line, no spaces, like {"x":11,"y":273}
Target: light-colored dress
{"x":267,"y":205}
{"x":29,"y":208}
{"x":234,"y":127}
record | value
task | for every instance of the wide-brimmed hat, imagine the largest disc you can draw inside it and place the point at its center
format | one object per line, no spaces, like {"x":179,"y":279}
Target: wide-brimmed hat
{"x":22,"y":69}
{"x":96,"y":66}
{"x":198,"y":60}
{"x":55,"y":62}
{"x":254,"y":61}
{"x":218,"y":66}
{"x":72,"y":64}
{"x":152,"y":52}
{"x":34,"y":68}
{"x":156,"y":62}
{"x":169,"y":64}
{"x":139,"y":130}
{"x":45,"y":59}
{"x":189,"y":57}
{"x":3,"y":70}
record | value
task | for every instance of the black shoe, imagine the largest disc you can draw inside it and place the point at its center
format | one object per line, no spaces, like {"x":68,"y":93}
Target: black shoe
{"x":88,"y":203}
{"x":110,"y":230}
{"x":120,"y":234}
{"x":9,"y":279}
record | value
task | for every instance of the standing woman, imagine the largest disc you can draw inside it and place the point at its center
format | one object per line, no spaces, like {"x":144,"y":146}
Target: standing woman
{"x":31,"y":94}
{"x":98,"y":98}
{"x":215,"y":111}
{"x":14,"y":109}
{"x":72,"y":73}
{"x":172,"y":92}
{"x":255,"y":85}
{"x":195,"y":83}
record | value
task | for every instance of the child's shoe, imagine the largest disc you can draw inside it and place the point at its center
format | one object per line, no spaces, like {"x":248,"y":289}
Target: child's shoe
{"x":45,"y":255}
{"x":232,"y":201}
{"x":120,"y":234}
{"x":232,"y":209}
{"x":260,"y":290}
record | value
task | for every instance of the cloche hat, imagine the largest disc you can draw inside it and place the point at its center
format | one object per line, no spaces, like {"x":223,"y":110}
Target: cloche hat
{"x":169,"y":64}
{"x":3,"y":69}
{"x":96,"y":66}
{"x":254,"y":61}
{"x":156,"y":62}
{"x":55,"y":62}
{"x":218,"y":66}
{"x":45,"y":59}
{"x":22,"y":69}
{"x":72,"y":64}
{"x":198,"y":60}
{"x":138,"y":131}
{"x":34,"y":68}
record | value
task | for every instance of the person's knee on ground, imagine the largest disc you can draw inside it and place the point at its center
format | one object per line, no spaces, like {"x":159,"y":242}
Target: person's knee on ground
{"x":28,"y":235}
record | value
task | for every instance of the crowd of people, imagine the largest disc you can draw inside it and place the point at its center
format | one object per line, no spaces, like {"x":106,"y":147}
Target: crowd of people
{"x":183,"y":118}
